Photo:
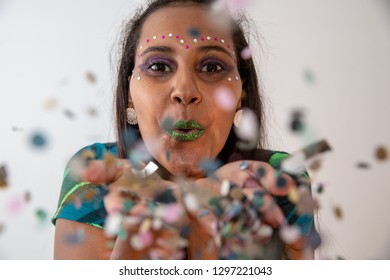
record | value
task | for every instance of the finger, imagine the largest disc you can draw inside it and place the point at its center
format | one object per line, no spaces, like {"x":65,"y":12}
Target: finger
{"x":100,"y":171}
{"x":271,"y":213}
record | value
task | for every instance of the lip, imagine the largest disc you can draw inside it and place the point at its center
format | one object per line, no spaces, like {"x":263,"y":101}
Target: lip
{"x":184,"y":131}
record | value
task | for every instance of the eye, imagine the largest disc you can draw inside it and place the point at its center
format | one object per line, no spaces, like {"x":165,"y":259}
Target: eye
{"x":160,"y":67}
{"x":211,"y":67}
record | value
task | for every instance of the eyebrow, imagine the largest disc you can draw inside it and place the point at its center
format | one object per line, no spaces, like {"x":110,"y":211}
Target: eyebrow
{"x":165,"y":49}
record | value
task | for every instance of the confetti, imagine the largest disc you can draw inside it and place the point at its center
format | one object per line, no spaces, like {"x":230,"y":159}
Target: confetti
{"x":314,"y":240}
{"x":76,"y":238}
{"x":92,"y":112}
{"x":294,"y":164}
{"x":381,"y":153}
{"x":191,"y":202}
{"x":224,"y":98}
{"x":363,"y":165}
{"x":320,"y":188}
{"x":2,"y":228}
{"x":112,"y":224}
{"x":249,"y":127}
{"x":38,"y":140}
{"x":69,"y":114}
{"x":17,"y":129}
{"x":297,"y":124}
{"x":210,"y":166}
{"x":91,"y":77}
{"x":315,"y":165}
{"x":309,"y":76}
{"x":246,"y":53}
{"x":27,"y":196}
{"x":338,"y":212}
{"x":16,"y":205}
{"x":51,"y":104}
{"x":194,"y":32}
{"x":3,"y":177}
{"x":290,"y":234}
{"x":41,"y":215}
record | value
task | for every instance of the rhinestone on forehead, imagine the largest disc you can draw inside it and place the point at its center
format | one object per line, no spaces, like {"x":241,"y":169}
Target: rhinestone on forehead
{"x":195,"y":40}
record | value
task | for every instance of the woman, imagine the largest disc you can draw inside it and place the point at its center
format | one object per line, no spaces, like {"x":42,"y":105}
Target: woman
{"x":182,"y":84}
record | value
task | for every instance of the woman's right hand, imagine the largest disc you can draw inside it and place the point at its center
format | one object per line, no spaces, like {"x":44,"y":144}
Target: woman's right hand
{"x":135,"y":236}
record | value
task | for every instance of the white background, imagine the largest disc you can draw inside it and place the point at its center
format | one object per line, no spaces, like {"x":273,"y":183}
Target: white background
{"x":48,"y":46}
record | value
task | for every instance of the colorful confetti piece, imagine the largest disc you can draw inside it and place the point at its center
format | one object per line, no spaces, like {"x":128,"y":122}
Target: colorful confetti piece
{"x":3,"y":177}
{"x":381,"y":153}
{"x":338,"y":212}
{"x":246,"y":53}
{"x":91,"y":77}
{"x":38,"y":140}
{"x":224,"y":98}
{"x":41,"y":215}
{"x":76,"y":238}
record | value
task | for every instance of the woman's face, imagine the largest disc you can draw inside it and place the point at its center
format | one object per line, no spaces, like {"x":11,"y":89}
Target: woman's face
{"x":185,"y":87}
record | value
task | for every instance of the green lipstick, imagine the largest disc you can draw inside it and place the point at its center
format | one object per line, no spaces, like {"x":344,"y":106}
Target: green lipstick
{"x":186,"y":131}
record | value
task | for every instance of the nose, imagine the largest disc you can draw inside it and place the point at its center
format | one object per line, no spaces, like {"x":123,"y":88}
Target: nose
{"x":185,"y":90}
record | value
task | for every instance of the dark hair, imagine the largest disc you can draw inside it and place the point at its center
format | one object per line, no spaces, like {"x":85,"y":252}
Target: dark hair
{"x":253,"y":98}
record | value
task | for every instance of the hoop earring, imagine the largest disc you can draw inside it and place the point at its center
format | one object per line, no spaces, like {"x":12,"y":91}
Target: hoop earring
{"x":131,"y":116}
{"x":237,"y":118}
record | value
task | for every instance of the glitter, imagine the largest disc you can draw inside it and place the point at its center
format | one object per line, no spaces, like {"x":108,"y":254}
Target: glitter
{"x":381,"y":153}
{"x":91,"y":77}
{"x":170,"y":34}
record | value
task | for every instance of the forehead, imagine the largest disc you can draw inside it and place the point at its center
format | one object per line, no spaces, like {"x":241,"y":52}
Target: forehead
{"x":192,"y":20}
